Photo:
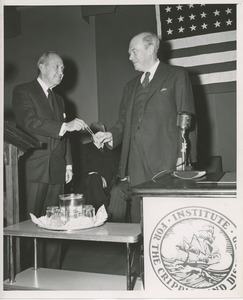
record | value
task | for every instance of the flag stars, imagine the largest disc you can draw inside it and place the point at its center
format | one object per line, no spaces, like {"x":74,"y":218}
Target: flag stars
{"x":168,"y":9}
{"x":193,"y":28}
{"x":181,"y":29}
{"x":187,"y":20}
{"x":169,"y":21}
{"x":192,"y":17}
{"x":229,"y":22}
{"x":180,"y":19}
{"x":170,"y":31}
{"x":204,"y":26}
{"x":203,"y":15}
{"x":228,"y":11}
{"x":217,"y":24}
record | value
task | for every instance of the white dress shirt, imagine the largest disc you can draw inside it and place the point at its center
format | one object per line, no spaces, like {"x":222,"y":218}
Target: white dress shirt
{"x":151,"y":71}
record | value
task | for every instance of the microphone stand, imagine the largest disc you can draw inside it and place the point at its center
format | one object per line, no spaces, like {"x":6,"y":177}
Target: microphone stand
{"x":183,"y":150}
{"x":184,"y":122}
{"x":185,"y":172}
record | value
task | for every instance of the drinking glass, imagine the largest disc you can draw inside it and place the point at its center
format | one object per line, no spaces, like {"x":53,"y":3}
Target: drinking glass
{"x":88,"y":211}
{"x":52,"y":213}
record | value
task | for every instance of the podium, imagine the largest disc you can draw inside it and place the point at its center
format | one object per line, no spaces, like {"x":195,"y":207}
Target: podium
{"x":188,"y":250}
{"x":16,"y":143}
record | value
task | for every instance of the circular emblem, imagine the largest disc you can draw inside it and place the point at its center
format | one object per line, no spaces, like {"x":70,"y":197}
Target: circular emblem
{"x":194,"y":248}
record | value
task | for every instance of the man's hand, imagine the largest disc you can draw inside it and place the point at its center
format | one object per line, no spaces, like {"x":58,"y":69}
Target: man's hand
{"x":69,"y":175}
{"x":104,"y":183}
{"x":103,"y":137}
{"x":76,"y":124}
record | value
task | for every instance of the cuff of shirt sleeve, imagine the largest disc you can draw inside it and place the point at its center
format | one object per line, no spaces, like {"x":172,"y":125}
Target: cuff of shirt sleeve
{"x":69,"y":167}
{"x":63,"y":129}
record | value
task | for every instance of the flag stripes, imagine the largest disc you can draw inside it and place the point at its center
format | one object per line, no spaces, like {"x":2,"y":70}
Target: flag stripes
{"x":206,"y":39}
{"x":201,"y":38}
{"x":209,"y":48}
{"x":204,"y":59}
{"x":210,"y":78}
{"x":228,"y":66}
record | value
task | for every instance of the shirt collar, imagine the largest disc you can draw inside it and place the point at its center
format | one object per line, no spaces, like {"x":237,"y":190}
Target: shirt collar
{"x":43,"y":85}
{"x":152,"y":71}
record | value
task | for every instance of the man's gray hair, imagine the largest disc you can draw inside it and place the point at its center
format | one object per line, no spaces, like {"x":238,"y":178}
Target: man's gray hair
{"x":44,"y":58}
{"x":151,"y":39}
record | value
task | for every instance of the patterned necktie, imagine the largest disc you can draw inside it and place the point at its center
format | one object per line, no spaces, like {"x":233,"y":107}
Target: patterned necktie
{"x":146,"y":79}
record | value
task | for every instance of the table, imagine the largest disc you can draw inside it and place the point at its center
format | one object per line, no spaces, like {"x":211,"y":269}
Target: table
{"x":40,"y":278}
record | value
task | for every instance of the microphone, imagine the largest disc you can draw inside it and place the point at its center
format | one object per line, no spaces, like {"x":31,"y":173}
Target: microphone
{"x":184,"y":120}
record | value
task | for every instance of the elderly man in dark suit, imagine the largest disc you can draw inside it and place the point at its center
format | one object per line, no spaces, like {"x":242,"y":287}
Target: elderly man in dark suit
{"x":147,"y":124}
{"x":41,"y":113}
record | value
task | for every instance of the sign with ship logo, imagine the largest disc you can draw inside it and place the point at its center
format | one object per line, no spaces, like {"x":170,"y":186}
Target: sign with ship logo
{"x":191,"y":248}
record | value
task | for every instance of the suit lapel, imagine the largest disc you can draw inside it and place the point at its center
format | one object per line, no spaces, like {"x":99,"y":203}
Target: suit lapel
{"x":56,"y":105}
{"x":42,"y":97}
{"x":133,"y":92}
{"x":158,"y":79}
{"x":159,"y":76}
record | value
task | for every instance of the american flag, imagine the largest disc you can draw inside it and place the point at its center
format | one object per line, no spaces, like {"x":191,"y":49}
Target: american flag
{"x":202,"y":38}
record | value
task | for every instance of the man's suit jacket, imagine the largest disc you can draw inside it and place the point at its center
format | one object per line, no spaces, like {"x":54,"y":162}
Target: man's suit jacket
{"x":34,"y":115}
{"x":158,"y":135}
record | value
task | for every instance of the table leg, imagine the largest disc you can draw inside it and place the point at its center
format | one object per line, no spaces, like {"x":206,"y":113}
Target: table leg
{"x":35,"y":254}
{"x":129,"y":273}
{"x":142,"y":262}
{"x":142,"y":244}
{"x":11,"y":260}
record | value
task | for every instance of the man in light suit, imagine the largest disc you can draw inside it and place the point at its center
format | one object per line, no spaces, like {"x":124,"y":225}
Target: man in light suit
{"x":147,"y":124}
{"x":41,"y":113}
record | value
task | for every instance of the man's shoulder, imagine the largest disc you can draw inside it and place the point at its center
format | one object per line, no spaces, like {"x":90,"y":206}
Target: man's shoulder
{"x":26,"y":86}
{"x":134,"y":80}
{"x":172,"y":68}
{"x":161,"y":68}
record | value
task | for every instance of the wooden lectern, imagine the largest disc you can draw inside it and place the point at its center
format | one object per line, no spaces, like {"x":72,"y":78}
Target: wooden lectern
{"x":16,"y":143}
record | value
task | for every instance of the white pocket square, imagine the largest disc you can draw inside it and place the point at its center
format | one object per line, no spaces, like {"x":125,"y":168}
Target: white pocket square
{"x":163,"y":89}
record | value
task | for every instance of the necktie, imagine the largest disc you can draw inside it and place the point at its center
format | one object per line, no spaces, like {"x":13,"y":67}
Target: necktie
{"x":146,"y":79}
{"x":50,"y":98}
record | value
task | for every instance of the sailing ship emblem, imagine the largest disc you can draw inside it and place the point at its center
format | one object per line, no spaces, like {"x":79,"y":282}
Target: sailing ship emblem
{"x":199,"y":251}
{"x":194,"y":252}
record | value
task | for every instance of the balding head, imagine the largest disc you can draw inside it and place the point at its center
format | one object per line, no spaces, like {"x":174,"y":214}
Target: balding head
{"x":143,"y":50}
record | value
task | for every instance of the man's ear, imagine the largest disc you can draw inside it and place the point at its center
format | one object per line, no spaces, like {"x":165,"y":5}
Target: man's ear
{"x":42,"y":68}
{"x":151,"y":49}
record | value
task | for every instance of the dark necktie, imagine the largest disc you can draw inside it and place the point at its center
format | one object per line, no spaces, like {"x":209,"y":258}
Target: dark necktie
{"x":50,"y":98}
{"x":146,"y":79}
